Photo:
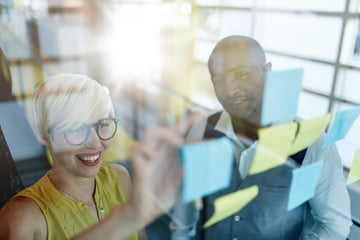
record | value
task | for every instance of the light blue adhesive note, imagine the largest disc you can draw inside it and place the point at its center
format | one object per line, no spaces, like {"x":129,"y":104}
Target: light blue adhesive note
{"x":341,"y":125}
{"x":281,"y":96}
{"x":207,"y":167}
{"x":303,"y":183}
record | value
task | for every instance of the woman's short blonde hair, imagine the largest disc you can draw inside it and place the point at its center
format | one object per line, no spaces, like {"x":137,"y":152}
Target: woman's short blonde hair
{"x":66,"y":101}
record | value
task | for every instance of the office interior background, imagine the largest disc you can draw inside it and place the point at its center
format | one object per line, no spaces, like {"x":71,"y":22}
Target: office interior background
{"x":152,"y":55}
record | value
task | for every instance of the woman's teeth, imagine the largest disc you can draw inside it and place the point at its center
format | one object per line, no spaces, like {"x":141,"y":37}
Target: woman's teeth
{"x":92,"y":158}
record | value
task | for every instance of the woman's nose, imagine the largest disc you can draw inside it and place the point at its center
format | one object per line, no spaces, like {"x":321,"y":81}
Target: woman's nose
{"x":93,"y":139}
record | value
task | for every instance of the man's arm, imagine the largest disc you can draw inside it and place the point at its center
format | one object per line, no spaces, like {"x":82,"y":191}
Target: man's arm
{"x":330,"y":206}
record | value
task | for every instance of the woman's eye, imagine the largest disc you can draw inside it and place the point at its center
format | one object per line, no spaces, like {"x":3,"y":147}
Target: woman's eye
{"x":103,"y":124}
{"x":76,"y":131}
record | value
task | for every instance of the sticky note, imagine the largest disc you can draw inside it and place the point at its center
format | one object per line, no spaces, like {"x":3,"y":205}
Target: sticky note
{"x":229,"y":204}
{"x":273,"y":147}
{"x":354,"y":173}
{"x":309,"y":131}
{"x":303,"y":183}
{"x":207,"y":167}
{"x":341,"y":125}
{"x":281,"y":96}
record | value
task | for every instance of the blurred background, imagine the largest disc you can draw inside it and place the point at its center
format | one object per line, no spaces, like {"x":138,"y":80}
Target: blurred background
{"x":152,"y":55}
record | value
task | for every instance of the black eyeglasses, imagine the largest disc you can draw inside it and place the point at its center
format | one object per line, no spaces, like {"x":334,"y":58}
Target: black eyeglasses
{"x":105,"y":129}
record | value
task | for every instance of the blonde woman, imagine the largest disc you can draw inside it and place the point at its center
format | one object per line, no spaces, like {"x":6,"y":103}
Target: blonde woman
{"x":82,"y":197}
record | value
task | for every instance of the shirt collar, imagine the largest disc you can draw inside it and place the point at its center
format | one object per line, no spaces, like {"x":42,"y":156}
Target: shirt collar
{"x":224,"y":125}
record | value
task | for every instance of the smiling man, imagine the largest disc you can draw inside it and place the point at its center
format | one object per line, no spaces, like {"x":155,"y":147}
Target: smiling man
{"x":237,"y":67}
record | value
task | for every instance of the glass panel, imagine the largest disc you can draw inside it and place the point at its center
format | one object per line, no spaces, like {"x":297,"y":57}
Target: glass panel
{"x":202,"y":50}
{"x":346,"y":151}
{"x":317,"y":77}
{"x":208,"y":24}
{"x":13,"y":35}
{"x":236,"y":23}
{"x":348,"y":85}
{"x":354,"y":6}
{"x":204,"y":94}
{"x":311,"y":105}
{"x":351,"y":45}
{"x":237,"y":3}
{"x":349,"y":144}
{"x":303,"y":35}
{"x":62,"y":38}
{"x":75,"y":66}
{"x":340,"y":106}
{"x":315,"y":5}
{"x":209,"y":2}
{"x":215,"y":24}
{"x":23,"y":79}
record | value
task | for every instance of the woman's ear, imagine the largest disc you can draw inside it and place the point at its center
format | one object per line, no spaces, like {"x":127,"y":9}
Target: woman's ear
{"x":43,"y":140}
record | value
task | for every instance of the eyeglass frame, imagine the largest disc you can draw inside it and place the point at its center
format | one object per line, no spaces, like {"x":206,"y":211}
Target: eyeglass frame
{"x":96,"y":126}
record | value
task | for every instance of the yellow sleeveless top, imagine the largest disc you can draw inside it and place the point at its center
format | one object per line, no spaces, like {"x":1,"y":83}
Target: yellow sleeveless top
{"x":66,"y":218}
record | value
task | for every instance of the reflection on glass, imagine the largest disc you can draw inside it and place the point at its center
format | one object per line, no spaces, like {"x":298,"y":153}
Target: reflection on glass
{"x":13,"y":35}
{"x":209,"y":2}
{"x":354,"y":6}
{"x":317,"y":77}
{"x":62,"y":37}
{"x":74,"y":66}
{"x":214,"y":24}
{"x":311,"y":105}
{"x":236,"y":23}
{"x":341,"y":106}
{"x":348,"y":85}
{"x":242,"y":3}
{"x":208,"y":24}
{"x":23,"y":79}
{"x":348,"y":146}
{"x":350,"y":53}
{"x":303,"y":35}
{"x":202,"y":50}
{"x":313,"y":5}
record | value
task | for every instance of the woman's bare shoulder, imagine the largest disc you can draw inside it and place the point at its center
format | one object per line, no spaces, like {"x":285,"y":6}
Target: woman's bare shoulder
{"x":21,"y":218}
{"x":124,"y":177}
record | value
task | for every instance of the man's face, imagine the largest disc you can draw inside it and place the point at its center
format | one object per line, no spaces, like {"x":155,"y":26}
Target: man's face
{"x":238,"y":85}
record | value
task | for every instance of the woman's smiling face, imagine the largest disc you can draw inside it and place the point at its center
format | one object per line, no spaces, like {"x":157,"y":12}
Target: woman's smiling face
{"x":82,"y":160}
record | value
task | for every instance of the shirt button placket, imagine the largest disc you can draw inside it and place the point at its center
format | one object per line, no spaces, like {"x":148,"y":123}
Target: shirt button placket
{"x":236,"y":219}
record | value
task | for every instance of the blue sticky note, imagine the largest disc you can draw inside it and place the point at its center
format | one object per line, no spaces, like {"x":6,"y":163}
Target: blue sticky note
{"x":207,"y":167}
{"x":341,"y":125}
{"x":303,"y":183}
{"x":281,"y":96}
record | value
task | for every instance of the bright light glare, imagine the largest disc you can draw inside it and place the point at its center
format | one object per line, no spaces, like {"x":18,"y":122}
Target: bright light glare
{"x":132,"y":46}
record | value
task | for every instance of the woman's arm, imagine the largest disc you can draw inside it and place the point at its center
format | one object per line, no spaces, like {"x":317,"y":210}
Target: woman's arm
{"x":156,"y":181}
{"x":21,"y":218}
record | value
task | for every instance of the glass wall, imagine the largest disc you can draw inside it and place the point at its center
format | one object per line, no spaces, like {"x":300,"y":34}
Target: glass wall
{"x":153,"y":55}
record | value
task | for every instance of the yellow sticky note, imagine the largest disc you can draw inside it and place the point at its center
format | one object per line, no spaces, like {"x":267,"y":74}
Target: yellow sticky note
{"x":231,"y":203}
{"x":309,"y":131}
{"x":354,"y":173}
{"x":273,"y":148}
